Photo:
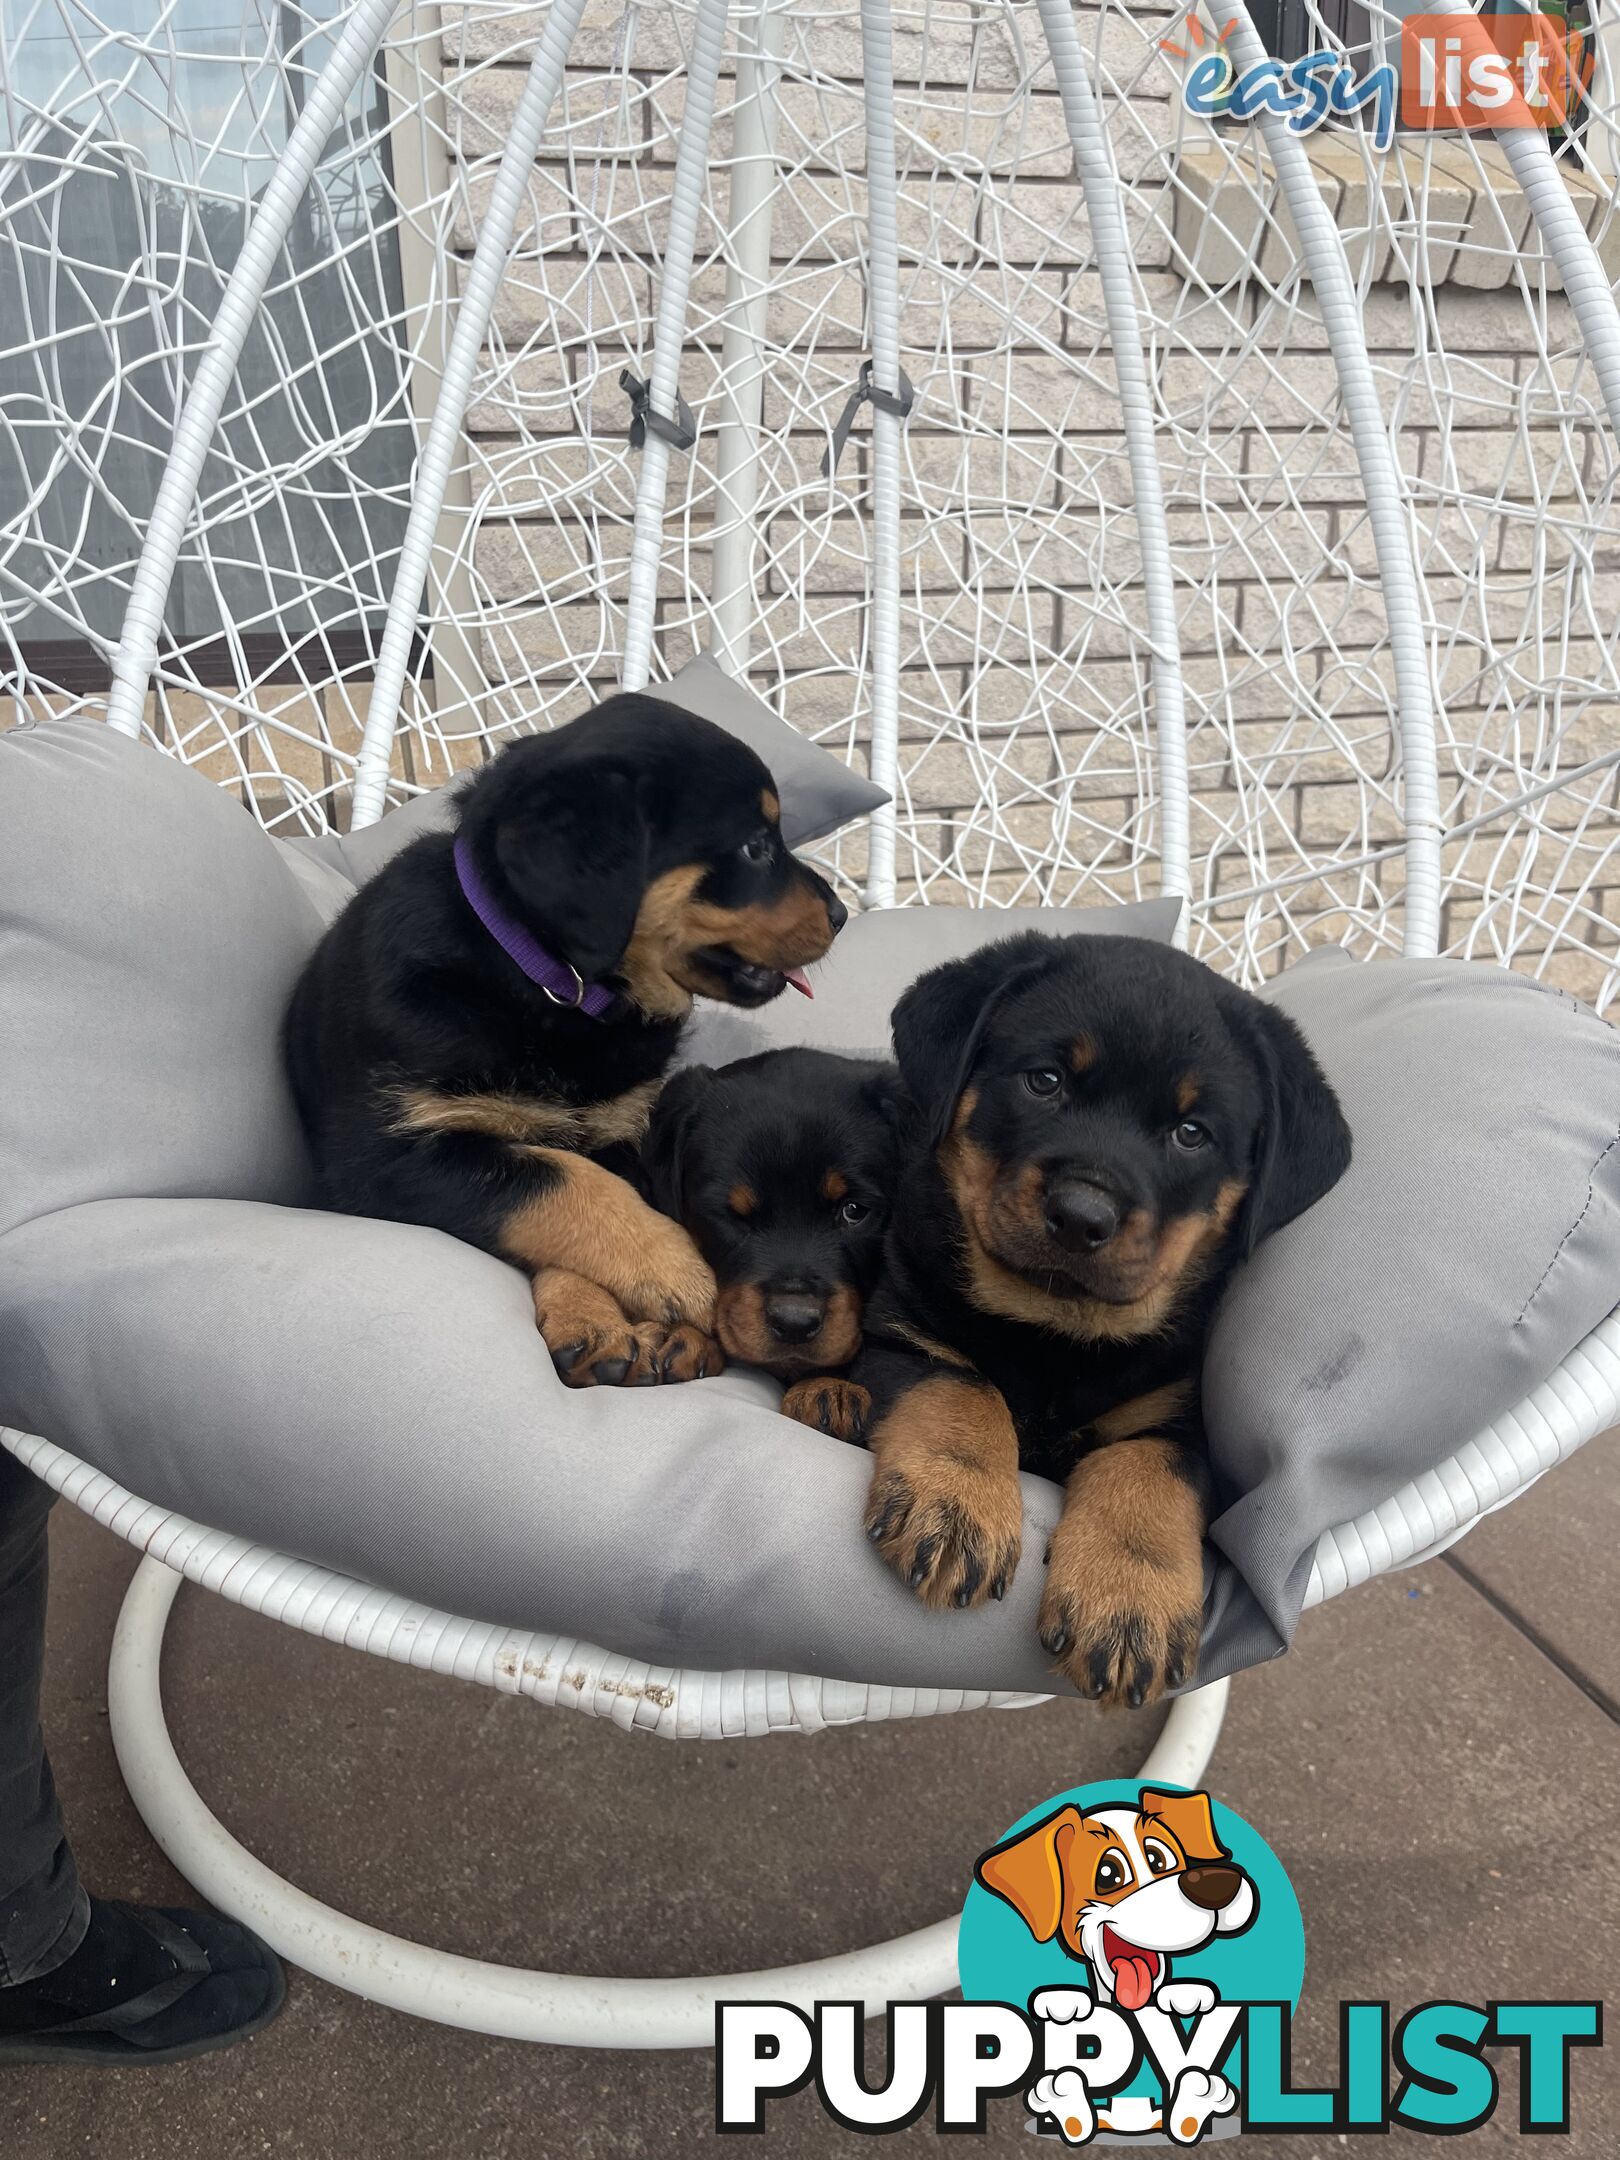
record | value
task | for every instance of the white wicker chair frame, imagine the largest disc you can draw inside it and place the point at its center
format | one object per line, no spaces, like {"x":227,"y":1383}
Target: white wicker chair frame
{"x":1580,"y":1399}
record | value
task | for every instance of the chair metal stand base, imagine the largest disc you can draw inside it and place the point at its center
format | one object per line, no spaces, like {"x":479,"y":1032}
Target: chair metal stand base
{"x":565,"y":2009}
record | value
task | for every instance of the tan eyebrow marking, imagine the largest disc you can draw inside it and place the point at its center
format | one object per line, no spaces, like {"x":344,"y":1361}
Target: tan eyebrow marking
{"x":834,"y":1185}
{"x":1082,"y":1054}
{"x":771,"y":804}
{"x":742,"y":1200}
{"x":1186,"y":1092}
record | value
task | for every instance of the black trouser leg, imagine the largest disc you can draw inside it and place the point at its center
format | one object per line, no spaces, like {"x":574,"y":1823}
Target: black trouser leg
{"x":43,"y":1911}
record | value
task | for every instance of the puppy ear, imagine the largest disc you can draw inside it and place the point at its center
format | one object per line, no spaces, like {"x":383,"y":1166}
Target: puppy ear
{"x":668,"y":1130}
{"x":885,"y":1092}
{"x":1028,"y":1872}
{"x":570,"y":841}
{"x":939,"y":1023}
{"x":1304,"y":1144}
{"x":1189,"y":1820}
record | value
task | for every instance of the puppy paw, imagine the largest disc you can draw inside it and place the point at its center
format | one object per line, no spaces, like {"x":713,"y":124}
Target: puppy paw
{"x":686,"y":1353}
{"x":591,"y":1342}
{"x":951,"y":1531}
{"x":1123,"y":1635}
{"x":835,"y":1407}
{"x":671,"y":1282}
{"x":1124,"y":1602}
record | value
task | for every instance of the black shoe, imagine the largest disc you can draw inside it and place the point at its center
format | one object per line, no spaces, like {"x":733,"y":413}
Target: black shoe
{"x":144,"y":1986}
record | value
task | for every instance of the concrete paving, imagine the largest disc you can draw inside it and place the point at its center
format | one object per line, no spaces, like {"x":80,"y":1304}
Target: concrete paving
{"x":1436,"y":1763}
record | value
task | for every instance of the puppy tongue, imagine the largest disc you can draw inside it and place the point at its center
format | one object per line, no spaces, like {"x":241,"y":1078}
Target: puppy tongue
{"x":1133,"y":1981}
{"x":800,"y":981}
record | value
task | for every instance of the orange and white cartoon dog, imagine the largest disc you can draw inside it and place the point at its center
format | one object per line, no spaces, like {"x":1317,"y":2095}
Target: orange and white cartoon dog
{"x":1124,"y":1888}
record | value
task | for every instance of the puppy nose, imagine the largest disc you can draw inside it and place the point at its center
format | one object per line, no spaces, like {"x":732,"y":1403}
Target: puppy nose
{"x":837,"y":913}
{"x":1081,"y":1216}
{"x":794,"y":1316}
{"x":1213,"y":1888}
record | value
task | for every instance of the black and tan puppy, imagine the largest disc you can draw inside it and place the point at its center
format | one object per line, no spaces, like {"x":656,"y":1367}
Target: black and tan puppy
{"x":1107,"y":1129}
{"x":477,"y":1042}
{"x":783,"y":1168}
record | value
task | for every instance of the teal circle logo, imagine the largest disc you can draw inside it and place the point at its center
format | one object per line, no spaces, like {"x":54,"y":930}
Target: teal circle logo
{"x":1134,"y":1921}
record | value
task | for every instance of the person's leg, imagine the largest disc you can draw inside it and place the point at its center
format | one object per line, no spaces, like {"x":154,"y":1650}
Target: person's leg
{"x":43,"y":1911}
{"x":86,"y":1979}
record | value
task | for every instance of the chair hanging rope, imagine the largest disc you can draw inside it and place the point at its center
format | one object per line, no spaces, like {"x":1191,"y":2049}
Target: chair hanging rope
{"x":1100,"y":185}
{"x":1405,"y":609}
{"x":663,"y":399}
{"x":743,"y":334}
{"x":883,"y":290}
{"x":513,"y":179}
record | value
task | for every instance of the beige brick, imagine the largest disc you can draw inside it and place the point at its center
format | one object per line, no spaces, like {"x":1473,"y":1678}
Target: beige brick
{"x":1333,"y":815}
{"x":988,"y":467}
{"x":556,"y":299}
{"x":1544,"y":544}
{"x":981,"y":304}
{"x":1026,"y":390}
{"x":957,"y":42}
{"x":534,"y":395}
{"x":815,"y":305}
{"x":547,"y":218}
{"x":1530,"y":468}
{"x":473,"y":33}
{"x":1098,"y":841}
{"x":594,"y":112}
{"x":833,"y":555}
{"x":947,"y":773}
{"x":1271,"y":390}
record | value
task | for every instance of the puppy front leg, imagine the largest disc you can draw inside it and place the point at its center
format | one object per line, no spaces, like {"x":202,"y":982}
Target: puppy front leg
{"x":1124,"y":1600}
{"x":945,"y":1508}
{"x":579,"y":1217}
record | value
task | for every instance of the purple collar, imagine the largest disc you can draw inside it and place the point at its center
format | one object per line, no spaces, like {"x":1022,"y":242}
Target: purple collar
{"x":561,"y":983}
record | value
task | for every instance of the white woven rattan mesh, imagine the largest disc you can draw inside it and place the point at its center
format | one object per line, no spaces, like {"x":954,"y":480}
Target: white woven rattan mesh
{"x":140,"y":132}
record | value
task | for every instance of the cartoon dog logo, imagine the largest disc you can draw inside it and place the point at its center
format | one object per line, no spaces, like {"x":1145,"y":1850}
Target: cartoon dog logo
{"x":1124,"y":1888}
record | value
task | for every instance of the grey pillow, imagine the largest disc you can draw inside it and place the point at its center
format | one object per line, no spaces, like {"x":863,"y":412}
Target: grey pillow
{"x":819,"y":792}
{"x":880,"y":954}
{"x":1474,"y":1241}
{"x":150,"y":935}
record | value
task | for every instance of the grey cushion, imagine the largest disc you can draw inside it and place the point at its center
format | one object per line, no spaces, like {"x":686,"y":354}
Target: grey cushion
{"x":1474,"y":1241}
{"x":881,"y":953}
{"x":374,"y":1397}
{"x":819,"y":792}
{"x":150,"y":935}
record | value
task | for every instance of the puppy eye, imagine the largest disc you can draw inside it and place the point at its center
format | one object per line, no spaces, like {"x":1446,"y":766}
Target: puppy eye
{"x":759,"y":849}
{"x":1044,"y":1081}
{"x":1160,"y":1860}
{"x":1112,"y":1873}
{"x":853,"y":1212}
{"x":1190,"y":1136}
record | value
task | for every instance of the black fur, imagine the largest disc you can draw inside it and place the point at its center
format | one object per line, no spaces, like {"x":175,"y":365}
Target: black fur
{"x":407,"y":989}
{"x":776,"y":1128}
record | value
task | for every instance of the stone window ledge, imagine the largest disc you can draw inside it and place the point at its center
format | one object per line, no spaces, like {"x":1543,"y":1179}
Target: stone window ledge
{"x":1230,"y":221}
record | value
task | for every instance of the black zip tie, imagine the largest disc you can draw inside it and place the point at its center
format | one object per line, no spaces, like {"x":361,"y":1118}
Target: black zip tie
{"x":866,"y":392}
{"x":680,"y":433}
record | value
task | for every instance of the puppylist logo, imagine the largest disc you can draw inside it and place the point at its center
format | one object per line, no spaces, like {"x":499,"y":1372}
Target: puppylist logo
{"x":1131,"y":1957}
{"x":1456,"y":72}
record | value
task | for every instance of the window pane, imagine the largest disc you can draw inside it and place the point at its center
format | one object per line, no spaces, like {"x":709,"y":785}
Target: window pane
{"x":135,"y":153}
